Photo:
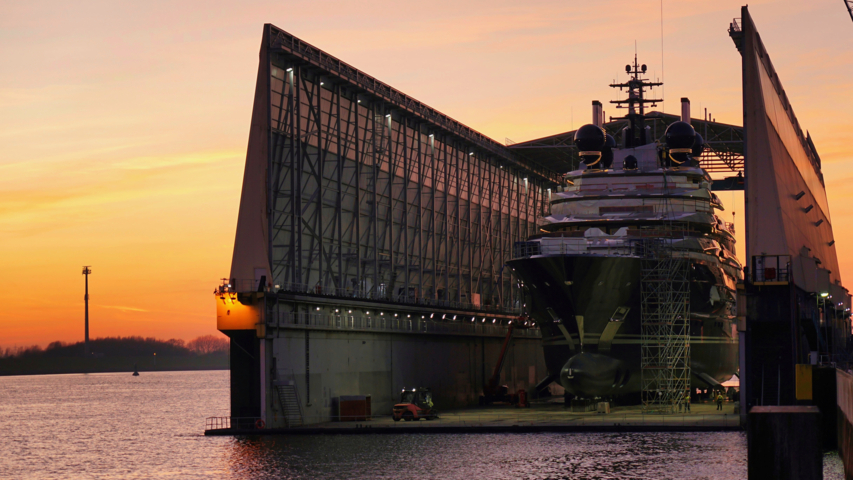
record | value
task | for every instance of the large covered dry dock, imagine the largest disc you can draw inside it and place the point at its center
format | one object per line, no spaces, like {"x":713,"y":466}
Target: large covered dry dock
{"x":370,"y":246}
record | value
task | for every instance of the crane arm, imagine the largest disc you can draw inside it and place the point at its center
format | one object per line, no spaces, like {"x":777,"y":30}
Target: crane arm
{"x":849,"y":5}
{"x":492,"y":384}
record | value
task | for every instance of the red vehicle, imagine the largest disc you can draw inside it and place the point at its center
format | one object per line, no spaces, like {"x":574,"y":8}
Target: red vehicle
{"x":415,"y":404}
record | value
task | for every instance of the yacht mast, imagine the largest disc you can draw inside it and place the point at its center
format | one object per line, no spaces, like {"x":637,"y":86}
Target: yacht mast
{"x":635,"y":136}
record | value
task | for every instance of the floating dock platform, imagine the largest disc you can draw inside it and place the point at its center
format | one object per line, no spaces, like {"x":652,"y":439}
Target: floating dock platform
{"x":540,"y":417}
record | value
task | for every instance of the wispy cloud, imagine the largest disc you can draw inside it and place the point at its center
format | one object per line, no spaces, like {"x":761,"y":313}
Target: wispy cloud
{"x":123,"y":309}
{"x":171,"y":161}
{"x":122,"y":139}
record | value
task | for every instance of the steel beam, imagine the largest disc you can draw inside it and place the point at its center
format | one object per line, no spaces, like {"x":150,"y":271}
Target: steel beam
{"x":356,"y":195}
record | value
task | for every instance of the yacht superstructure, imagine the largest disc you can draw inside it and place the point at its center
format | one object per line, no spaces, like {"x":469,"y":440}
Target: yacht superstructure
{"x":583,"y":270}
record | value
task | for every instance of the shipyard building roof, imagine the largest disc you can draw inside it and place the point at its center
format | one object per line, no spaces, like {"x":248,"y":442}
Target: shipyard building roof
{"x":724,"y":144}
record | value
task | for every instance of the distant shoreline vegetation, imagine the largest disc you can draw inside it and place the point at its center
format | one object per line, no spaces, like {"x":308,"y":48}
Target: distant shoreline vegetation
{"x":118,"y":354}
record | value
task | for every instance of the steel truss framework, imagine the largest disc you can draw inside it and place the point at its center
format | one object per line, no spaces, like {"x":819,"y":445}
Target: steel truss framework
{"x":371,"y":199}
{"x":665,"y":320}
{"x":723,"y":153}
{"x":665,"y":327}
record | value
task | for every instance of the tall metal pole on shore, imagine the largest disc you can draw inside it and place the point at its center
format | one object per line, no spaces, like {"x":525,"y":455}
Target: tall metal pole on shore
{"x":86,"y":271}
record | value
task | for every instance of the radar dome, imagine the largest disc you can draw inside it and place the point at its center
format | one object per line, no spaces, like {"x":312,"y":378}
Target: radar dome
{"x":680,"y":138}
{"x":680,"y":135}
{"x":698,"y":146}
{"x":590,"y":138}
{"x":590,"y":141}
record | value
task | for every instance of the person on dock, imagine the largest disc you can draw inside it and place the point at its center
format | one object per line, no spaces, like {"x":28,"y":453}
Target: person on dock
{"x":720,"y":401}
{"x":687,"y":401}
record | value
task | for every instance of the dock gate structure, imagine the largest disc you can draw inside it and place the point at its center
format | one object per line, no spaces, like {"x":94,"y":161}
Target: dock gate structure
{"x":370,"y":246}
{"x":793,"y":309}
{"x":373,"y":232}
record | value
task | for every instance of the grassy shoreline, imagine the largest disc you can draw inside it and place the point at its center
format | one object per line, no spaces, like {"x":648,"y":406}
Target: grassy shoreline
{"x":60,"y":365}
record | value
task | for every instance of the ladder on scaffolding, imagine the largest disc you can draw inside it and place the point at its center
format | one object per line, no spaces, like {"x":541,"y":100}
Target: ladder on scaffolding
{"x":665,"y":326}
{"x":665,"y":315}
{"x":291,"y":408}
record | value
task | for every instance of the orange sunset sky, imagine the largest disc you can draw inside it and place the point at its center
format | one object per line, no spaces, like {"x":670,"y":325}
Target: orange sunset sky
{"x":123,"y":125}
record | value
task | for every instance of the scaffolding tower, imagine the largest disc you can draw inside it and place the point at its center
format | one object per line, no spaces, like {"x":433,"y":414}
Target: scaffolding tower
{"x":665,"y":326}
{"x":665,"y":318}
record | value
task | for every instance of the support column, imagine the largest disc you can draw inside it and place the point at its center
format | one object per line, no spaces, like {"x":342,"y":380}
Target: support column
{"x":784,"y":443}
{"x":265,"y":380}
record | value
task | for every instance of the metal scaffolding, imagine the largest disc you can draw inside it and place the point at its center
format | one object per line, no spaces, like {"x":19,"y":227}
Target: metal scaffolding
{"x":373,"y":195}
{"x":665,"y":319}
{"x":665,"y":326}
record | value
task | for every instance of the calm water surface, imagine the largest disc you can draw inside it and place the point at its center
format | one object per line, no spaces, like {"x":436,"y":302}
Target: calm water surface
{"x":118,"y":426}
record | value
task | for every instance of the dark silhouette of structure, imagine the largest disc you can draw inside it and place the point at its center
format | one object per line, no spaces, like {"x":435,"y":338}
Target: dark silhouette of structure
{"x":86,"y":271}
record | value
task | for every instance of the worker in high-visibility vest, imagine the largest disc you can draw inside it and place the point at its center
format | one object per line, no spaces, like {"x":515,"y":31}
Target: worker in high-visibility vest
{"x":687,"y":400}
{"x":720,"y":401}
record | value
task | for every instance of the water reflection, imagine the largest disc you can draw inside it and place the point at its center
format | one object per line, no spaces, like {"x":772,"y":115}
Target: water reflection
{"x":714,"y":455}
{"x":111,"y":426}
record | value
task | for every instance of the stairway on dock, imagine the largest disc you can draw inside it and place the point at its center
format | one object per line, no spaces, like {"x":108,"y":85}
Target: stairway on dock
{"x":288,"y":397}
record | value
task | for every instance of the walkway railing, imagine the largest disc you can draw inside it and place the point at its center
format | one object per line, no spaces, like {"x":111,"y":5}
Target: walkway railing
{"x":217,"y":423}
{"x":226,"y":423}
{"x":380,"y":294}
{"x":771,"y":268}
{"x":735,"y":26}
{"x":387,"y":322}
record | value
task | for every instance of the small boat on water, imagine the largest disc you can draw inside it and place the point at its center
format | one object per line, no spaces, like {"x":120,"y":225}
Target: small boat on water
{"x":135,"y":370}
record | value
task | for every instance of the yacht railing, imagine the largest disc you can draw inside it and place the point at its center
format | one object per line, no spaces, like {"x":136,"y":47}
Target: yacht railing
{"x":611,"y":246}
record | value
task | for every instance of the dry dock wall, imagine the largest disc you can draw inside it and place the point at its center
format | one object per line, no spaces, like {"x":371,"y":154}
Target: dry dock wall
{"x":844,"y":389}
{"x":357,"y":196}
{"x":328,"y":364}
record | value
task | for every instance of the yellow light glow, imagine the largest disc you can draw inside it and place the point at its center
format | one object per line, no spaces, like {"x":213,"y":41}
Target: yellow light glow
{"x":231,"y":314}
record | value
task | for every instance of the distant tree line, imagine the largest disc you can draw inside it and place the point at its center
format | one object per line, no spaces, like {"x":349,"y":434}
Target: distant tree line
{"x":126,"y":347}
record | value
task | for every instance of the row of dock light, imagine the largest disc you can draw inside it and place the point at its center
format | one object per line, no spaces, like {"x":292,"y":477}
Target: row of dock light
{"x":228,"y":289}
{"x":826,"y":295}
{"x":444,"y":316}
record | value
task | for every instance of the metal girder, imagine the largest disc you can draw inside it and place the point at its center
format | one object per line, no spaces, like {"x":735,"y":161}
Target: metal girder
{"x":723,"y":153}
{"x":665,"y":320}
{"x":300,"y":52}
{"x":664,"y":328}
{"x":371,"y":202}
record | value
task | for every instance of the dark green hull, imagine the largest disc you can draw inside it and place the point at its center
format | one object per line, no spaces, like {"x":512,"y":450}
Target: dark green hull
{"x":606,"y":364}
